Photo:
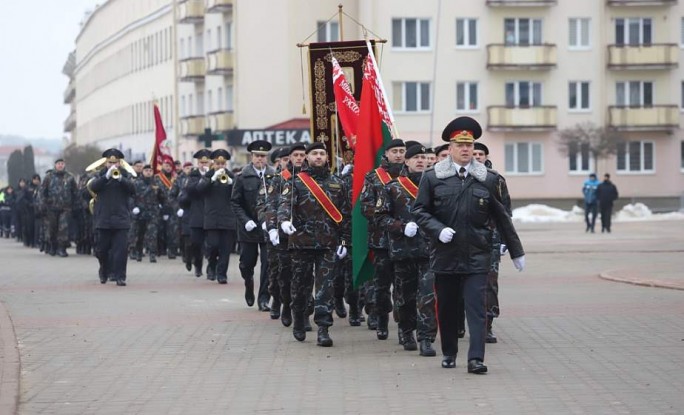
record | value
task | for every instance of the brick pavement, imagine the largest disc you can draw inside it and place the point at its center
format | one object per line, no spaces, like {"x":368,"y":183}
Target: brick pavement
{"x":569,"y":342}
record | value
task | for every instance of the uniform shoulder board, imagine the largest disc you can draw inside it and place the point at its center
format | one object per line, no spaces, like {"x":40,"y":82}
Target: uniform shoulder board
{"x":334,"y":186}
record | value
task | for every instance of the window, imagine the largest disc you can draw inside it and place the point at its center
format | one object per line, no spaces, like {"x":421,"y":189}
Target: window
{"x":229,"y":35}
{"x":466,"y":33}
{"x":523,"y":31}
{"x":466,"y":96}
{"x":229,"y":98}
{"x":328,"y":31}
{"x":580,"y":158}
{"x":182,"y":49}
{"x":412,"y":96}
{"x":209,"y":40}
{"x":635,"y":157}
{"x":579,"y":33}
{"x":219,"y":39}
{"x":200,"y":103}
{"x":523,"y":158}
{"x":634,"y":94}
{"x":681,"y":156}
{"x":633,"y":31}
{"x":682,"y":94}
{"x":523,"y":94}
{"x":411,"y":33}
{"x":681,"y":33}
{"x":199,"y":46}
{"x":210,"y":102}
{"x":578,"y":93}
{"x":191,"y":109}
{"x":189,"y":54}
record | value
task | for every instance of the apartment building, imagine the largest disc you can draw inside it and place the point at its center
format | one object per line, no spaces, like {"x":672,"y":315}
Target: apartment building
{"x":526,"y":69}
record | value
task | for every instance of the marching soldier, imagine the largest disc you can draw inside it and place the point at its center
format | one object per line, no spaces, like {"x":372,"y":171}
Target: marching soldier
{"x":314,"y":210}
{"x":196,"y":213}
{"x":442,"y":152}
{"x":60,"y":195}
{"x":250,"y":185}
{"x":180,"y":192}
{"x":169,"y":225}
{"x":456,"y":202}
{"x":146,"y":214}
{"x":374,"y":183}
{"x":112,"y":218}
{"x":408,"y":250}
{"x":219,"y":220}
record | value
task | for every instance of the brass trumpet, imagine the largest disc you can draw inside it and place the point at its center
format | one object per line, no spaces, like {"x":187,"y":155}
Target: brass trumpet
{"x":116,"y":174}
{"x":224,"y":178}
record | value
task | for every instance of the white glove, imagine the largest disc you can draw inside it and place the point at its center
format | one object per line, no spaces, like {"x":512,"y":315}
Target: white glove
{"x":204,"y":169}
{"x":346,"y":168}
{"x":179,"y":213}
{"x":410,"y":229}
{"x":216,"y":175}
{"x":273,"y":236}
{"x":165,"y":217}
{"x":249,"y":226}
{"x":263,"y":226}
{"x":341,"y":251}
{"x":446,"y":235}
{"x":109,"y":172}
{"x":287,"y":227}
{"x":503,"y":249}
{"x":136,"y":210}
{"x":519,"y":263}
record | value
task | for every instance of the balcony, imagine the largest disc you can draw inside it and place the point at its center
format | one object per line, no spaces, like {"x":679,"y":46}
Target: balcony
{"x":642,"y":2}
{"x":191,"y":11}
{"x":192,"y":125}
{"x":523,"y":3}
{"x":70,"y":122}
{"x":219,"y":6}
{"x":70,"y":92}
{"x":502,"y":118}
{"x":653,"y":56}
{"x":221,"y":121}
{"x":517,"y":57}
{"x":220,"y":62}
{"x":192,"y":69}
{"x":652,"y":118}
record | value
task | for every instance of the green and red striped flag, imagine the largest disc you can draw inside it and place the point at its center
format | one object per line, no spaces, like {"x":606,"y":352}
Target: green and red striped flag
{"x":374,"y":132}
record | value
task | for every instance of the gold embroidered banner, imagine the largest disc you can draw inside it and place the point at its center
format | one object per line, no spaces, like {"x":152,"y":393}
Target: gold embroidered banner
{"x":324,"y":124}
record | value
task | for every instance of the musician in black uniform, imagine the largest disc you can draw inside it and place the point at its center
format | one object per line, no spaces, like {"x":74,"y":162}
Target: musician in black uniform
{"x":196,"y":199}
{"x":112,"y":217}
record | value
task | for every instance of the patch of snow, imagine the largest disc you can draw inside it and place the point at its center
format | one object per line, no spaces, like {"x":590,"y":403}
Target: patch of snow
{"x":537,"y":213}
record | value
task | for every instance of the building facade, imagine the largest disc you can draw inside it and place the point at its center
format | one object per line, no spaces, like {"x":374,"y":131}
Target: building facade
{"x":526,"y":69}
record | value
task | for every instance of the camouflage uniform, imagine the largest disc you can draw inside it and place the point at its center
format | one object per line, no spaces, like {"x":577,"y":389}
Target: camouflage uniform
{"x":312,"y":246}
{"x":86,"y":236}
{"x":410,"y":257}
{"x":381,"y":299}
{"x":266,"y":208}
{"x":168,"y":227}
{"x":60,"y":194}
{"x":148,"y":197}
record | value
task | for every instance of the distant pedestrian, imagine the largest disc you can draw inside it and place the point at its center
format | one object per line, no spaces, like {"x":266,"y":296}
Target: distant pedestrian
{"x":590,"y":202}
{"x":606,"y":193}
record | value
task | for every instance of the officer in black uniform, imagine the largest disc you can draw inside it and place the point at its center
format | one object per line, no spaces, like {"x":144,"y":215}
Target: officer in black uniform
{"x":112,"y":218}
{"x":196,"y":199}
{"x":219,"y":220}
{"x":456,"y":202}
{"x":250,"y":185}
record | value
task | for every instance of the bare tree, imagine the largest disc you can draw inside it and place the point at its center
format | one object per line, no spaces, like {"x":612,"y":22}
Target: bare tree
{"x":599,"y":142}
{"x":77,"y":158}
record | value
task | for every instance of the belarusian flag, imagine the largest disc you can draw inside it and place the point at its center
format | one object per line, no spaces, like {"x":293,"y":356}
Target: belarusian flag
{"x":375,"y":126}
{"x":160,"y":151}
{"x":347,"y":108}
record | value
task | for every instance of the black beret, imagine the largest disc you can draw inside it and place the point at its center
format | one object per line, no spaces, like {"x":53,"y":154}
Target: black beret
{"x":295,"y":147}
{"x":147,"y":166}
{"x":482,"y":147}
{"x":415,"y":150}
{"x":462,"y":130}
{"x":203,"y":154}
{"x":397,"y":142}
{"x":58,"y":160}
{"x":317,"y":145}
{"x":410,"y":143}
{"x":220,"y":155}
{"x":276,"y":154}
{"x":441,"y":148}
{"x":259,"y":147}
{"x":112,"y":154}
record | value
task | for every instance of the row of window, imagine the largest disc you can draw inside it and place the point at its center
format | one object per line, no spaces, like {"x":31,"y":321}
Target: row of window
{"x":631,"y":157}
{"x":414,"y":33}
{"x":218,"y":100}
{"x":194,"y":46}
{"x":132,"y":119}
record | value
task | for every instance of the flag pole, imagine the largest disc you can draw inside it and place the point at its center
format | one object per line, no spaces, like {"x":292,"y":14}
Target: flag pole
{"x":339,"y":6}
{"x":382,"y":88}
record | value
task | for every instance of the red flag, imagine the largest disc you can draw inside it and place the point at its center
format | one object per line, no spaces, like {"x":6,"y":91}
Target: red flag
{"x":374,"y":132}
{"x":347,"y":108}
{"x":161,"y":149}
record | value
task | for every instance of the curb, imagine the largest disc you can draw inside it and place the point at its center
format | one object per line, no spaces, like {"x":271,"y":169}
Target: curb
{"x":9,"y":364}
{"x":615,"y":276}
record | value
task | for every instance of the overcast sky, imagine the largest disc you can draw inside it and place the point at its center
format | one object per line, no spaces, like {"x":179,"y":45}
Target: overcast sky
{"x":36,"y":37}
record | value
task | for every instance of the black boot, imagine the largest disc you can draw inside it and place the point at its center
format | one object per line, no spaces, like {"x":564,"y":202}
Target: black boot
{"x":103,"y":275}
{"x":426,"y":348}
{"x":298,"y":330}
{"x":286,"y":316}
{"x":382,"y":331}
{"x":62,"y":253}
{"x":249,"y":291}
{"x":188,"y":265}
{"x":354,"y":317}
{"x":324,"y":339}
{"x":153,"y":257}
{"x":491,"y":337}
{"x":211,"y":274}
{"x":275,"y":309}
{"x":409,"y":341}
{"x":307,"y":324}
{"x":340,"y":309}
{"x":198,"y":271}
{"x":372,"y":321}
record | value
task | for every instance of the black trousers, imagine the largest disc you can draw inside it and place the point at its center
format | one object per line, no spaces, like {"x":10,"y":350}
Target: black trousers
{"x":606,"y":213}
{"x":249,"y":253}
{"x":218,"y":241}
{"x":449,"y":288}
{"x":111,"y":250}
{"x":196,"y":246}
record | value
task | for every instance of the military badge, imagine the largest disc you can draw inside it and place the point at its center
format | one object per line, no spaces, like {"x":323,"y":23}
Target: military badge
{"x":286,"y":191}
{"x":270,"y":189}
{"x":379,"y":203}
{"x":481,"y":202}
